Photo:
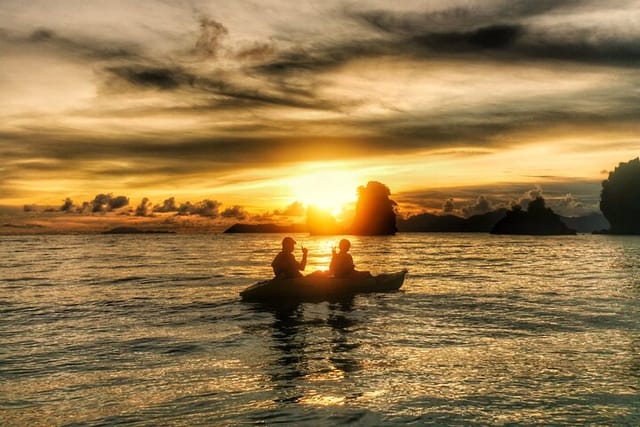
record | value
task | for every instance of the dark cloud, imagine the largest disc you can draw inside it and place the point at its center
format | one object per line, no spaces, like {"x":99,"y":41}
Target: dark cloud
{"x":454,"y":18}
{"x":207,"y":208}
{"x":68,"y":205}
{"x":491,"y":37}
{"x":107,"y":203}
{"x":91,"y":49}
{"x":237,"y":212}
{"x":169,"y":205}
{"x":152,"y":77}
{"x":319,"y":58}
{"x":255,"y":51}
{"x":479,"y":207}
{"x":209,"y":41}
{"x":174,"y":77}
{"x":145,"y":208}
{"x":448,"y":206}
{"x":171,"y":155}
{"x":138,"y":68}
{"x":500,"y":32}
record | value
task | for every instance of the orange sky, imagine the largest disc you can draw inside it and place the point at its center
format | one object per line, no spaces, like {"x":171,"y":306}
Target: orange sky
{"x":257,"y":106}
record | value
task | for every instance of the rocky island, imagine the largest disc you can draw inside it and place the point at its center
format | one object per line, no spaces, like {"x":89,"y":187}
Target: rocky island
{"x":537,"y":220}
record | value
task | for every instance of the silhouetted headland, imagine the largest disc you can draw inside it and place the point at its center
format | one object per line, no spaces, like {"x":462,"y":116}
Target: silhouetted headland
{"x":537,"y":220}
{"x":620,"y":198}
{"x":266,"y":228}
{"x":133,"y":230}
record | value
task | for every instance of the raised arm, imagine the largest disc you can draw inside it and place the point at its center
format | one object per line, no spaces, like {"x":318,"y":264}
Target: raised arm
{"x":303,"y":263}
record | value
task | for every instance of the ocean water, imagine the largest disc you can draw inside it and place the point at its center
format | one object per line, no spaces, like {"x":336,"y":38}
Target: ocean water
{"x":149,"y":330}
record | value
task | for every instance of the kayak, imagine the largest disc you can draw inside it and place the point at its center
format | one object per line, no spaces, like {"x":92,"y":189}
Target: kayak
{"x":319,"y":287}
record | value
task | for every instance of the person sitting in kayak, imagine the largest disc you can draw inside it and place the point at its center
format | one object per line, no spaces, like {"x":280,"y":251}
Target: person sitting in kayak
{"x":285,"y":265}
{"x":342,"y":262}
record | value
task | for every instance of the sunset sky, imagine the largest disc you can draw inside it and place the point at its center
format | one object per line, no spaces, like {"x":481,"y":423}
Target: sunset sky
{"x":259,"y":104}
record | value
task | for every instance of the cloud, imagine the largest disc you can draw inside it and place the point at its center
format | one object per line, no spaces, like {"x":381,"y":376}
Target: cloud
{"x":169,"y":205}
{"x":255,"y":51}
{"x":479,"y":207}
{"x":529,"y":196}
{"x":294,"y":209}
{"x":210,"y":39}
{"x":68,"y":205}
{"x":224,"y":97}
{"x":455,"y":16}
{"x":236,"y":211}
{"x":569,"y":196}
{"x":491,"y":37}
{"x":207,"y":208}
{"x":145,"y":208}
{"x":152,"y":77}
{"x":448,"y":206}
{"x":90,"y":49}
{"x":505,"y":28}
{"x":174,"y":77}
{"x":569,"y":206}
{"x":498,"y":31}
{"x":107,"y":203}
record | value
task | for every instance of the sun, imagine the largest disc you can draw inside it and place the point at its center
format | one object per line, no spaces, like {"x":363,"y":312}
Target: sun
{"x":328,"y":190}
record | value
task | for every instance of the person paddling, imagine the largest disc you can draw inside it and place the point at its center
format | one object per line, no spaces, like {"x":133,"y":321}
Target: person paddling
{"x":285,"y":265}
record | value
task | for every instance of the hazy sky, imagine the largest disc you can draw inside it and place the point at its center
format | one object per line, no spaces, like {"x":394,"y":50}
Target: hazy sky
{"x":261,"y":103}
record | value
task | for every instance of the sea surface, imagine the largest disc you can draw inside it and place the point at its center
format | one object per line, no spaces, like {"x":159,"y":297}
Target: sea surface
{"x":150,"y":330}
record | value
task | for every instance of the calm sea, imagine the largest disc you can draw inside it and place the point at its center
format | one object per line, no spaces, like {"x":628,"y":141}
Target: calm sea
{"x":149,"y":330}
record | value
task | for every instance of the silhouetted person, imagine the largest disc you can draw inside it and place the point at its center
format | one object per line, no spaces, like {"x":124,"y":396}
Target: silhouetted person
{"x":285,"y":265}
{"x":342,"y":262}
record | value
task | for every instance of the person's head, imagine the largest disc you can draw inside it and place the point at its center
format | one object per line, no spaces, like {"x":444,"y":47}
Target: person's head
{"x":288,"y":244}
{"x":344,"y":245}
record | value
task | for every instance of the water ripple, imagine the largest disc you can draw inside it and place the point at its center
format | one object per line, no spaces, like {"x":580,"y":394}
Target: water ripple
{"x":140,"y":330}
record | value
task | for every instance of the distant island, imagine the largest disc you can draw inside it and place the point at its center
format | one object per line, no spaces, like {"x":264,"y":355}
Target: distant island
{"x":537,"y":220}
{"x":134,"y":230}
{"x":376,"y":215}
{"x":430,"y":223}
{"x":266,"y":228}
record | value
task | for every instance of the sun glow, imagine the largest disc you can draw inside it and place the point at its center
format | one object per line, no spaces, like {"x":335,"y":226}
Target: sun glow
{"x":327,"y":190}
